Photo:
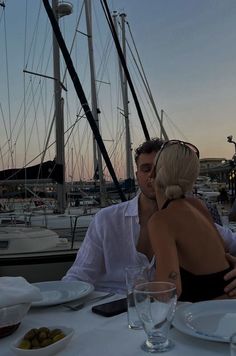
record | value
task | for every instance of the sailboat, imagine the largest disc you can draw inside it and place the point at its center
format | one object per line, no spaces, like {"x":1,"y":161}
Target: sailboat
{"x":65,"y":256}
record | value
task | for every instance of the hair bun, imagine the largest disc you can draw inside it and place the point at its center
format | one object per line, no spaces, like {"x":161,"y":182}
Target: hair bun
{"x":173,"y":191}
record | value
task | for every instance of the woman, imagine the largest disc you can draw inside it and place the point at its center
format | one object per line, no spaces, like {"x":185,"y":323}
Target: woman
{"x":188,"y":248}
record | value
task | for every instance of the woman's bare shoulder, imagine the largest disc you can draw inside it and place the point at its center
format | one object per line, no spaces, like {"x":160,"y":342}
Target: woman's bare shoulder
{"x":155,"y":217}
{"x":158,"y":218}
{"x":198,"y":203}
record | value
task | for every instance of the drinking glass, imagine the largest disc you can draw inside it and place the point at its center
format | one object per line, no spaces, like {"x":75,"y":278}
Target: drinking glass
{"x":233,"y":345}
{"x":156,"y":303}
{"x":134,"y":275}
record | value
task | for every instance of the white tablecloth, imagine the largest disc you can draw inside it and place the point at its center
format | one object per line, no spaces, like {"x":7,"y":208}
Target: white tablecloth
{"x":97,"y":335}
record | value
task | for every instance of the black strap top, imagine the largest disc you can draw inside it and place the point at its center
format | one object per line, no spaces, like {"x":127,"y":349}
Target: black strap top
{"x":196,"y":288}
{"x":168,"y":201}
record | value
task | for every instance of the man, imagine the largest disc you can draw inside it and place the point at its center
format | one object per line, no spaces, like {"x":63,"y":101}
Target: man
{"x":117,"y":236}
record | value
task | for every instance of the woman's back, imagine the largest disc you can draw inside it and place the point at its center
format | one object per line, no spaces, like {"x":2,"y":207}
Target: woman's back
{"x":188,"y":246}
{"x":200,"y":247}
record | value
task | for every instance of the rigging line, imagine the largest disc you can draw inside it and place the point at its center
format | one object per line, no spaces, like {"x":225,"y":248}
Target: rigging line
{"x":33,"y":41}
{"x":81,"y":144}
{"x":86,"y":138}
{"x":47,"y":146}
{"x":45,"y":149}
{"x":72,"y":128}
{"x":122,"y":59}
{"x":8,"y":90}
{"x":46,"y":129}
{"x":26,"y":165}
{"x":106,"y":51}
{"x":176,"y":127}
{"x":5,"y":128}
{"x":81,"y":95}
{"x":3,"y":8}
{"x":2,"y":158}
{"x":35,"y":107}
{"x":24,"y":98}
{"x":44,"y":49}
{"x":145,"y":82}
{"x":103,"y":62}
{"x":117,"y":143}
{"x":74,"y":37}
{"x":25,"y":113}
{"x":24,"y":85}
{"x":145,"y":96}
{"x":25,"y":39}
{"x":138,"y":56}
{"x":6,"y":134}
{"x":14,"y":126}
{"x":140,"y":72}
{"x":102,"y":69}
{"x":44,"y":109}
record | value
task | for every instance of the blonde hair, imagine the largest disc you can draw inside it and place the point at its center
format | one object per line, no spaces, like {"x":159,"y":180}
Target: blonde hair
{"x":176,"y":170}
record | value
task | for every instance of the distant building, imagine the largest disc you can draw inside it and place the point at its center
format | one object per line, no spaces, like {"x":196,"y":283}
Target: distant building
{"x":207,"y":163}
{"x":215,"y":168}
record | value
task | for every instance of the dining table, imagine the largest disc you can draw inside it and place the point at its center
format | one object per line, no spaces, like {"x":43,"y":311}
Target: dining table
{"x":106,"y":336}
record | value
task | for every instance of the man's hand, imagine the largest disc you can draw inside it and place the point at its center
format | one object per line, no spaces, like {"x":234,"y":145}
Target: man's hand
{"x":230,"y":289}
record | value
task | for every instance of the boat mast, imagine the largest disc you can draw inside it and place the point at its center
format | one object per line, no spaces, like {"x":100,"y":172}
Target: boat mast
{"x":129,"y":166}
{"x":161,"y":131}
{"x":81,"y":95}
{"x":97,"y":158}
{"x":59,"y":10}
{"x":124,"y":90}
{"x":123,"y":62}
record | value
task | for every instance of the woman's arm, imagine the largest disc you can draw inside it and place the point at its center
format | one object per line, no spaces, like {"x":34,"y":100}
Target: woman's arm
{"x":165,"y":251}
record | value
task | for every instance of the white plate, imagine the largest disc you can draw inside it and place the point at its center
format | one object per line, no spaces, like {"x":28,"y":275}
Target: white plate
{"x":57,"y":292}
{"x":48,"y":350}
{"x":211,"y":320}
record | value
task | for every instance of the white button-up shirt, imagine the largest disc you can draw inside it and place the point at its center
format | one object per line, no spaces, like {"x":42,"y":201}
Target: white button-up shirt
{"x":110,"y":246}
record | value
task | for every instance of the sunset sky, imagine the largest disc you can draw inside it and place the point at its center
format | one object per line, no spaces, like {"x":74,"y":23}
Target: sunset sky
{"x":188,"y":50}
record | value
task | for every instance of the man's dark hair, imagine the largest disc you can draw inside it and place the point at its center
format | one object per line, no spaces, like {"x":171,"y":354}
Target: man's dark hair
{"x":152,"y":145}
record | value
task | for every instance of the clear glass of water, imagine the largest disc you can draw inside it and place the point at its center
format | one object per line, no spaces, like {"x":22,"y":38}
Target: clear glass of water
{"x":156,"y":303}
{"x":233,"y":345}
{"x":134,"y":275}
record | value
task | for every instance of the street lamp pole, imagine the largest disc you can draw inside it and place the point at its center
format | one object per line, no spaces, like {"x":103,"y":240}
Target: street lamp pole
{"x":230,"y":140}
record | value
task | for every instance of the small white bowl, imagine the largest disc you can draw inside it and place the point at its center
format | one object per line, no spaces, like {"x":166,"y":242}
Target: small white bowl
{"x":48,"y":350}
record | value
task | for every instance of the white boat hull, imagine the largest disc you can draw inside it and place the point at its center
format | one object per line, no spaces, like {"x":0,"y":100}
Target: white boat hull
{"x":18,"y":239}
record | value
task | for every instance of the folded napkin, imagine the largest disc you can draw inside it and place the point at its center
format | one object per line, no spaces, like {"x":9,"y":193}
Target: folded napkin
{"x":16,"y":290}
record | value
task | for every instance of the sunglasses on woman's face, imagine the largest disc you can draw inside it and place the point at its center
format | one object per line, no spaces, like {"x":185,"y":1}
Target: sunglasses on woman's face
{"x":175,"y":142}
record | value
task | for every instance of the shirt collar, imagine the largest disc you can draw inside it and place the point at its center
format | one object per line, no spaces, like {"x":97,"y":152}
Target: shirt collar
{"x":132,"y":207}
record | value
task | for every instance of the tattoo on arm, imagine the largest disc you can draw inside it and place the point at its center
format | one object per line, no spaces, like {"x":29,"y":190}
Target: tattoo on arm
{"x":173,"y":275}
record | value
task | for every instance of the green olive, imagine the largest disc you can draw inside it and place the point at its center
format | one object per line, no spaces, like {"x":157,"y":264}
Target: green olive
{"x":46,"y":342}
{"x":25,"y":344}
{"x":44,"y":329}
{"x":42,"y":335}
{"x":31,"y":334}
{"x":54,"y":332}
{"x":58,"y":337}
{"x":35,"y":342}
